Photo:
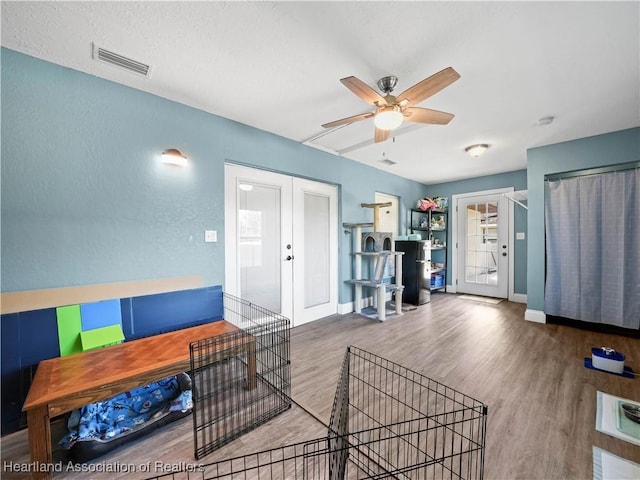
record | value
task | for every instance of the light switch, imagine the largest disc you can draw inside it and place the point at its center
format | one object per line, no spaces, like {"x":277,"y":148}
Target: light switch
{"x":210,"y":236}
{"x":519,"y":235}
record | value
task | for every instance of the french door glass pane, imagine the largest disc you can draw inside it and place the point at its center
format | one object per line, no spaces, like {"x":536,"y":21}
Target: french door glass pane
{"x":481,"y":256}
{"x":259,"y":245}
{"x":316,"y":250}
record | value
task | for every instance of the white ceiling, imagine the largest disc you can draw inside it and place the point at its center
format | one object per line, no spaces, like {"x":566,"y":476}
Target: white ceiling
{"x":277,"y":65}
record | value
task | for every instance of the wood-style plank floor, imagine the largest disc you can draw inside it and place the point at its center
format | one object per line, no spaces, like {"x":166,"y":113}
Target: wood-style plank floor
{"x":541,"y":399}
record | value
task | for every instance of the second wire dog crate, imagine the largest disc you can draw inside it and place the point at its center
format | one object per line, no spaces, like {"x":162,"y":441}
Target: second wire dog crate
{"x":387,"y":422}
{"x":240,"y":379}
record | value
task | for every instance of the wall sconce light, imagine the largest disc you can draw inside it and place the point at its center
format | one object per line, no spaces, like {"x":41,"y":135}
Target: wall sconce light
{"x":476,"y":150}
{"x":174,"y":157}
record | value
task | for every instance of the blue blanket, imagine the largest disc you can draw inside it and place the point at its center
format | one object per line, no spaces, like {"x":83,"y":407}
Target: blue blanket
{"x":109,"y":418}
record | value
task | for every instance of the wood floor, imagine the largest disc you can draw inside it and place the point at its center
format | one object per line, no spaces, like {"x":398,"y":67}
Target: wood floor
{"x":541,"y":400}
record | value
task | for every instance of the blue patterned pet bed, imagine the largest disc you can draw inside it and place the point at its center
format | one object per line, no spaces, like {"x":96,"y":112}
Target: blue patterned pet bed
{"x":100,"y":427}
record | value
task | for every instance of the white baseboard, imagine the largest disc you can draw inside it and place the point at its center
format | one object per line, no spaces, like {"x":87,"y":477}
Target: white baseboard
{"x":344,"y":308}
{"x":535,"y":316}
{"x":519,"y":298}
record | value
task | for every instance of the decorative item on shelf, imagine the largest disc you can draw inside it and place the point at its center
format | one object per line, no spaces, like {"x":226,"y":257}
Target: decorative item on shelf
{"x":441,"y":203}
{"x":425,"y":204}
{"x":441,"y":222}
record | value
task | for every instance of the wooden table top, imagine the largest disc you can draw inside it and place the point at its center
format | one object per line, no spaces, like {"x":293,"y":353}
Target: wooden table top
{"x":64,"y":377}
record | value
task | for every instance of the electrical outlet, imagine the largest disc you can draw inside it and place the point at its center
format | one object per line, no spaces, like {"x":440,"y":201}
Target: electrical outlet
{"x":210,"y":236}
{"x":520,"y":236}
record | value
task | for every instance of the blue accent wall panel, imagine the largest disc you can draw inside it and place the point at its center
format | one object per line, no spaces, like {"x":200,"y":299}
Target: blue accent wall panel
{"x":11,"y":398}
{"x":163,"y":312}
{"x":100,"y":314}
{"x":127,"y":317}
{"x":38,"y":336}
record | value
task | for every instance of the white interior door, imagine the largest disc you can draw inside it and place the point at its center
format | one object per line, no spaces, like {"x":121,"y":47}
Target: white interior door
{"x":273,"y":225}
{"x":483,"y":245}
{"x":388,"y":215}
{"x":315,"y":221}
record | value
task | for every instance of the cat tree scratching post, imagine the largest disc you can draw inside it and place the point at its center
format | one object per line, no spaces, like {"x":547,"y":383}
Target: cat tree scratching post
{"x":379,"y":245}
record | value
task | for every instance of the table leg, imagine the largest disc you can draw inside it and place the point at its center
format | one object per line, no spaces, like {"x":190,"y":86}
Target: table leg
{"x":39,"y":425}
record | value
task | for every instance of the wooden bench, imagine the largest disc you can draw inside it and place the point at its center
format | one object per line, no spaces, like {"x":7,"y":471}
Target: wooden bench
{"x":65,"y":383}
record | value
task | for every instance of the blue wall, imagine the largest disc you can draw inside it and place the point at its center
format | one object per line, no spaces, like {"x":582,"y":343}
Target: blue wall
{"x":517,"y":180}
{"x":600,"y":150}
{"x":86,"y":201}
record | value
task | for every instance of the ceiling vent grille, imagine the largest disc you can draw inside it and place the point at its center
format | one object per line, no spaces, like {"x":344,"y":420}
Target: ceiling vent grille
{"x":386,"y":161}
{"x":112,"y":58}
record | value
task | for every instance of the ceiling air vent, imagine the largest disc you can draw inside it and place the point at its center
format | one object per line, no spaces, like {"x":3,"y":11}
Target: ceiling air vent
{"x":386,"y":161}
{"x":112,"y":58}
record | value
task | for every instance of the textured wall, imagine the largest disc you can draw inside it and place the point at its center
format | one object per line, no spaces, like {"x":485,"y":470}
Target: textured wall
{"x":85,"y":200}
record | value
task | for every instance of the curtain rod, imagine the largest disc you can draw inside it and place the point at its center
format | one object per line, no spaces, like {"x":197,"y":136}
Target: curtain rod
{"x":620,"y":167}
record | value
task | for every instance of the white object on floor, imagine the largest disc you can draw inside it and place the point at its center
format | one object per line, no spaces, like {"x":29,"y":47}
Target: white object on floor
{"x":607,"y":466}
{"x":605,"y":358}
{"x":609,"y":416}
{"x":477,"y":298}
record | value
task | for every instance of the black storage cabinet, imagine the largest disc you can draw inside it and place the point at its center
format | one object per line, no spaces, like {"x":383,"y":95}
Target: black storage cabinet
{"x":416,"y":271}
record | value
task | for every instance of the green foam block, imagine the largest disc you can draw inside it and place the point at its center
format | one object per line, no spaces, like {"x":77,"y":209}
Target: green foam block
{"x":69,"y":327}
{"x":101,"y":337}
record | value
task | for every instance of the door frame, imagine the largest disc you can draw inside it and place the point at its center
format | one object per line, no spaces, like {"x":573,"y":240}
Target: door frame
{"x":231,"y":251}
{"x":455,"y":241}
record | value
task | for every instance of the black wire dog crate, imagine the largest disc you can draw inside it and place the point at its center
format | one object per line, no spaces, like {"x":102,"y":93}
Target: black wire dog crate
{"x":240,"y":379}
{"x":387,"y":422}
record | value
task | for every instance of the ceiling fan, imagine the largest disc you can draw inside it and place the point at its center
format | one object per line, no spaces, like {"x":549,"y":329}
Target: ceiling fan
{"x":392,"y":110}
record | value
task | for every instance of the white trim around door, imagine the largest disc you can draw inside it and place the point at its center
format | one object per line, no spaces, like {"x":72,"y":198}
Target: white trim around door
{"x":458,"y":242}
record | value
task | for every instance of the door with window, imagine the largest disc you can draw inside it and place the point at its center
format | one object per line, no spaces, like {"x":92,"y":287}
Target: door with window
{"x":281,"y":243}
{"x":483,"y":245}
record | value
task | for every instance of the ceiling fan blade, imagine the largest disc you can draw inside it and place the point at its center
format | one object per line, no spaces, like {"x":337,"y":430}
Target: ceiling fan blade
{"x":344,"y":121}
{"x":426,"y":115}
{"x":428,"y":87}
{"x":382,"y":135}
{"x":364,"y":91}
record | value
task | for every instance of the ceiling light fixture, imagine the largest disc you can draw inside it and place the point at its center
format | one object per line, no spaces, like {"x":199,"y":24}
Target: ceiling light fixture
{"x":172,"y":156}
{"x":388,"y":118}
{"x":476,"y":150}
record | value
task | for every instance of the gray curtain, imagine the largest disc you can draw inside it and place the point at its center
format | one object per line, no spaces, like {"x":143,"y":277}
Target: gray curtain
{"x":592,"y":226}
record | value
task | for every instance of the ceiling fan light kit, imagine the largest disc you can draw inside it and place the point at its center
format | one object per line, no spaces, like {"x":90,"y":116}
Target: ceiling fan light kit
{"x":391,"y":111}
{"x":477,"y":149}
{"x":388,"y":118}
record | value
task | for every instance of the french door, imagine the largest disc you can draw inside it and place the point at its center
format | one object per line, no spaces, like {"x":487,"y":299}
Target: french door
{"x":281,"y":243}
{"x":483,"y":245}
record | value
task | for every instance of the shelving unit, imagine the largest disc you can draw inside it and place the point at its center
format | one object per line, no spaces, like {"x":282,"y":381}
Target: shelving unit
{"x":434,"y":224}
{"x":376,"y":280}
